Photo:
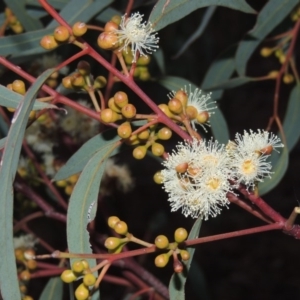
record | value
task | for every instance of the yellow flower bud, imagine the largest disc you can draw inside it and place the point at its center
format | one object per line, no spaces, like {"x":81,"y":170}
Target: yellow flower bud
{"x":61,"y":34}
{"x":79,"y":29}
{"x":48,"y":42}
{"x":139,"y":152}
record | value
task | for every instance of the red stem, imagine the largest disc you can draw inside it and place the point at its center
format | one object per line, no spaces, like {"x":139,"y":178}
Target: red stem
{"x":274,"y":226}
{"x":263,"y":206}
{"x":234,"y":199}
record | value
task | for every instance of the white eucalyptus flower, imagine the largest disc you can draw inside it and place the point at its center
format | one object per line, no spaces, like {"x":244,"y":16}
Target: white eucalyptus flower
{"x":196,"y":178}
{"x":203,"y":104}
{"x":138,"y":34}
{"x":249,"y":168}
{"x":262,"y":142}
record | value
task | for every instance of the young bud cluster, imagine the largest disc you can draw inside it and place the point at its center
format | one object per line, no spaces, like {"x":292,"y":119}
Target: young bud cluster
{"x":13,"y":23}
{"x":80,"y":268}
{"x":108,"y":39}
{"x":68,"y":184}
{"x":193,"y":106}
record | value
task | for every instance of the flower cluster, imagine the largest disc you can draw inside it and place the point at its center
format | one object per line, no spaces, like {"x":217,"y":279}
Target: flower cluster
{"x":196,"y":106}
{"x":198,"y":175}
{"x":202,"y":103}
{"x":138,"y":34}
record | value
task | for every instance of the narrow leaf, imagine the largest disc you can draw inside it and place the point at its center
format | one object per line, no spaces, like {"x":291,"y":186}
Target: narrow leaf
{"x":9,"y":282}
{"x":78,"y":10}
{"x":106,"y":14}
{"x":167,"y":12}
{"x":174,"y":83}
{"x":28,"y":22}
{"x":229,"y":84}
{"x":80,"y":158}
{"x":8,"y":98}
{"x":177,"y":282}
{"x":273,"y":13}
{"x":85,"y":196}
{"x":160,"y":60}
{"x":219,"y":127}
{"x":291,"y":123}
{"x":218,"y":72}
{"x":2,"y":143}
{"x":24,"y":43}
{"x":198,"y":32}
{"x":53,"y":289}
{"x":55,"y":3}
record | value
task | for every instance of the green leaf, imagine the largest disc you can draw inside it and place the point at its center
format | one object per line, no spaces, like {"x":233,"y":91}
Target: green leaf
{"x":174,"y":83}
{"x":160,"y":60}
{"x":53,"y":289}
{"x":78,"y":10}
{"x":2,"y":143}
{"x":83,"y":199}
{"x":198,"y":32}
{"x":96,"y":295}
{"x":24,"y":43}
{"x":219,"y":71}
{"x":80,"y":158}
{"x":291,"y":123}
{"x":55,"y":3}
{"x":28,"y":22}
{"x":219,"y":127}
{"x":229,"y":84}
{"x":279,"y":162}
{"x":177,"y":282}
{"x":168,"y":12}
{"x":273,"y":13}
{"x":8,"y":167}
{"x":107,"y":14}
{"x":8,"y":98}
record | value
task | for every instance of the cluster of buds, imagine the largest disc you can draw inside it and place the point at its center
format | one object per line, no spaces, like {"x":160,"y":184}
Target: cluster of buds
{"x":114,"y":244}
{"x":130,"y":34}
{"x":148,"y":138}
{"x":83,"y":80}
{"x":162,"y":242}
{"x":62,"y":35}
{"x":108,"y":39}
{"x":12,"y":21}
{"x":279,"y":53}
{"x":192,"y":107}
{"x":26,"y":265}
{"x":141,"y":70}
{"x":80,"y":269}
{"x":68,"y":184}
{"x":119,"y":108}
{"x":18,"y":86}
